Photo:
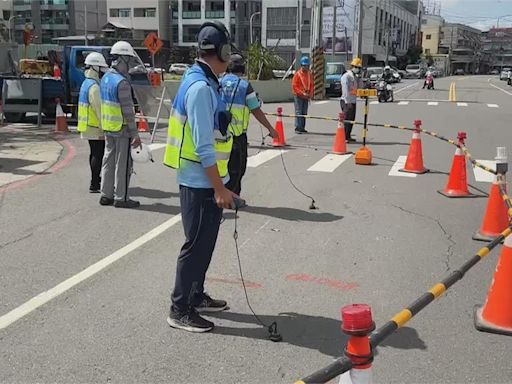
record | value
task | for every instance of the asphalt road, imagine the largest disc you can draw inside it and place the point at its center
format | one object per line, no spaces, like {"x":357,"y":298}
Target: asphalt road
{"x":375,"y":238}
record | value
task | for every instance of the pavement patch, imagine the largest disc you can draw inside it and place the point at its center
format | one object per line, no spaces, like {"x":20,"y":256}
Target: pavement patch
{"x":262,"y":157}
{"x":329,"y":163}
{"x":400,"y":164}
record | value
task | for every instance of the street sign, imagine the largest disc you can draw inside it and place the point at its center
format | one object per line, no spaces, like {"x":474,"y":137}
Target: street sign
{"x":153,"y":43}
{"x":366,"y":92}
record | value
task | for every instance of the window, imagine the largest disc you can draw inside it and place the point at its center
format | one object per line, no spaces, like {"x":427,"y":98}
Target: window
{"x":282,"y":16}
{"x":175,"y":34}
{"x":428,"y":37}
{"x":427,"y":51}
{"x":144,"y":12}
{"x":120,"y":12}
{"x":190,"y":33}
{"x":114,"y":12}
{"x":281,"y":34}
{"x":6,"y":14}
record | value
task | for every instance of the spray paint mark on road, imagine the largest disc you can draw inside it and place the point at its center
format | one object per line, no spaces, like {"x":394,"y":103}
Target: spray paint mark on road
{"x":331,"y":283}
{"x":248,"y":284}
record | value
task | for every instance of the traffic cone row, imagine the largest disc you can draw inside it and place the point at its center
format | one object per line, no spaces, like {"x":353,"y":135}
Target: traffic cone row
{"x":61,"y":125}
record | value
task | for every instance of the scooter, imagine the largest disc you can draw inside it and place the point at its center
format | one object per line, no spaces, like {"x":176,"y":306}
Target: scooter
{"x":430,"y":82}
{"x":384,"y":92}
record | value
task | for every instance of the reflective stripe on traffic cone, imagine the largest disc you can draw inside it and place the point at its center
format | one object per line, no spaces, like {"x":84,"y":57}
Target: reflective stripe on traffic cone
{"x":61,"y":124}
{"x":280,"y":140}
{"x":457,"y":185}
{"x":414,"y":163}
{"x":496,"y":314}
{"x":339,"y":146}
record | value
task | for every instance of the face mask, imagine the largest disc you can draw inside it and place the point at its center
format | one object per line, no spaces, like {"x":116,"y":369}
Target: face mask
{"x":356,"y":70}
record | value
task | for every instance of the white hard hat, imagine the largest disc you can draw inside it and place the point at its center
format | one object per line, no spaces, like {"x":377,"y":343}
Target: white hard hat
{"x":122,"y":48}
{"x":387,"y":68}
{"x":142,"y":154}
{"x":95,"y":58}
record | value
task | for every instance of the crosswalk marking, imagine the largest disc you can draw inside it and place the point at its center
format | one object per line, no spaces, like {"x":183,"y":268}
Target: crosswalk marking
{"x":493,"y":105}
{"x":434,"y":103}
{"x":403,"y":103}
{"x":399,"y":164}
{"x":374,"y":102}
{"x":329,"y":163}
{"x":262,"y":157}
{"x":321,"y":102}
{"x":484,"y":176}
{"x":462,"y":104}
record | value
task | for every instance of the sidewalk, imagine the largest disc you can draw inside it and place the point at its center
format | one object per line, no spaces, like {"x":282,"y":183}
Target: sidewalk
{"x":26,"y":151}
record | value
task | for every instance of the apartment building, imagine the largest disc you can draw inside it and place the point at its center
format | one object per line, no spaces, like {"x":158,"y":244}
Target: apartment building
{"x":58,"y":18}
{"x":497,"y":48}
{"x":463,"y":44}
{"x":140,"y":17}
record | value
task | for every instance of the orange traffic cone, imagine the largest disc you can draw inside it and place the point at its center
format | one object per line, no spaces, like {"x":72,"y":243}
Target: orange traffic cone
{"x":414,"y":163}
{"x":457,"y":185}
{"x":496,"y":216}
{"x":61,"y":125}
{"x":280,"y":140}
{"x":496,"y":314}
{"x":56,"y":71}
{"x":142,"y":126}
{"x":339,"y":146}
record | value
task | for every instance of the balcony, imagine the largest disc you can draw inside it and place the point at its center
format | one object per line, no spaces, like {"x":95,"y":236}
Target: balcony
{"x":55,"y":23}
{"x":215,"y":14}
{"x":191,"y":14}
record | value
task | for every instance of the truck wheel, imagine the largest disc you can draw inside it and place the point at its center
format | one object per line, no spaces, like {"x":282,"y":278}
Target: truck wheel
{"x":14,"y":117}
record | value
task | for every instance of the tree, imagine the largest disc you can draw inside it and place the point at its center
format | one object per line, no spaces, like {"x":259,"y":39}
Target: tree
{"x":264,"y":58}
{"x":414,"y":54}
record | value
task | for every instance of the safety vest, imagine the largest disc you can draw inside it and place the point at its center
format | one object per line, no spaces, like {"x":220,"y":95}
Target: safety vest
{"x":179,"y":136}
{"x":234,"y":93}
{"x":111,"y":114}
{"x":86,"y":113}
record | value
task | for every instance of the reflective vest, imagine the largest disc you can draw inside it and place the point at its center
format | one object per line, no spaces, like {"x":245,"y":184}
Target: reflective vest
{"x":179,"y":136}
{"x":111,"y":113}
{"x":234,"y":93}
{"x":86,"y":114}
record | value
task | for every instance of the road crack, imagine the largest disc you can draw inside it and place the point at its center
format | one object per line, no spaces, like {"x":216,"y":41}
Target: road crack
{"x":448,"y":236}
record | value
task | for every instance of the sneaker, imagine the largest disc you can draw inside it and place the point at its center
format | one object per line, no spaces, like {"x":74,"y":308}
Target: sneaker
{"x":106,"y":201}
{"x":300,"y":131}
{"x":211,"y":305}
{"x":94,"y":190}
{"x":351,"y":140}
{"x":126,"y":204}
{"x":189,"y":321}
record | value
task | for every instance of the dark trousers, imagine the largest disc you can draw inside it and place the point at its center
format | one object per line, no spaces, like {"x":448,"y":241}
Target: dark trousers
{"x":350,"y":114}
{"x":237,"y":163}
{"x":301,"y":108}
{"x":201,"y":220}
{"x":95,"y":159}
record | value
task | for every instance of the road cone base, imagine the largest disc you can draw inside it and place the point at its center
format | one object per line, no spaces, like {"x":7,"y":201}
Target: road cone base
{"x":278,"y":145}
{"x":484,"y":326}
{"x":340,"y":153}
{"x":455,"y":194}
{"x":424,"y":170}
{"x":485,"y":237}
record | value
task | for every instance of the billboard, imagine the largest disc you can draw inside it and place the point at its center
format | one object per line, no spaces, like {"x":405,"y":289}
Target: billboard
{"x":344,"y":29}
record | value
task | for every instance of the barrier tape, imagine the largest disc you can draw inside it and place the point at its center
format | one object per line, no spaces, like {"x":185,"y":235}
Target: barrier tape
{"x":430,"y":133}
{"x":344,"y":364}
{"x":505,"y":197}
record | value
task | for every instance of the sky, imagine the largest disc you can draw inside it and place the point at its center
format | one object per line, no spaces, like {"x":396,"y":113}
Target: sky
{"x":481,"y":14}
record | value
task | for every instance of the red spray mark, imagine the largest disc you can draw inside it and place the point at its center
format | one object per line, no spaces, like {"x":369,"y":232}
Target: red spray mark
{"x":336,"y":284}
{"x":248,"y":284}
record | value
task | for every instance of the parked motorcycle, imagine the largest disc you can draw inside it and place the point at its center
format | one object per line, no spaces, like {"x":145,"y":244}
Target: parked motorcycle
{"x":384,"y":92}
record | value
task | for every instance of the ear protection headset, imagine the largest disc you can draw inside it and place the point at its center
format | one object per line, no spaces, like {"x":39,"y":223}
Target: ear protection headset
{"x":223,"y":51}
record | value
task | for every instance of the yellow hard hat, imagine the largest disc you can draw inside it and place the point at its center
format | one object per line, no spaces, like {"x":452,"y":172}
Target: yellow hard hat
{"x":356,"y":62}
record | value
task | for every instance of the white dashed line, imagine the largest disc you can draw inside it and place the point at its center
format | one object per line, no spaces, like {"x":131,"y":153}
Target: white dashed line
{"x":321,"y":102}
{"x":403,"y":103}
{"x":329,"y":163}
{"x":433,"y":103}
{"x":493,"y":105}
{"x":374,"y":102}
{"x":462,"y":104}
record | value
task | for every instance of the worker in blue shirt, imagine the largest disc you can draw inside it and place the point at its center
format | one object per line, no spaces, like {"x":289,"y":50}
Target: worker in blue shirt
{"x":241,"y":100}
{"x":198,"y":147}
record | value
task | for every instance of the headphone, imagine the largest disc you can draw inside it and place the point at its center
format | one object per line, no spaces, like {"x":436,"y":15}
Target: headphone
{"x":223,"y":51}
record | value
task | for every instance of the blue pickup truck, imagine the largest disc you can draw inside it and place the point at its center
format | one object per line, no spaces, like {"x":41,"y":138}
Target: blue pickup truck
{"x":67,"y":88}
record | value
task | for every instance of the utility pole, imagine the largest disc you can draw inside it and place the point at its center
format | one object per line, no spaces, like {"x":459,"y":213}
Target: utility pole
{"x":333,"y":31}
{"x":359,"y":52}
{"x":85,"y":24}
{"x":346,"y":45}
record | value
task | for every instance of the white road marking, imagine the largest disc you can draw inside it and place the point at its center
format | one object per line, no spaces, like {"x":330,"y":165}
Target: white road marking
{"x":329,"y":163}
{"x":156,"y":146}
{"x":321,"y":102}
{"x":462,"y":104}
{"x":44,"y":297}
{"x":433,"y":103}
{"x":407,"y":87}
{"x":493,"y":105}
{"x":403,"y":103}
{"x":399,"y":164}
{"x":484,"y":176}
{"x":262,"y":157}
{"x":374,"y":102}
{"x":501,"y":89}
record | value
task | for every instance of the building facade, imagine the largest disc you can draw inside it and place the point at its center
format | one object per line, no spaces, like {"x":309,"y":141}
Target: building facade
{"x":463,"y":44}
{"x":389,"y":29}
{"x":497,"y":48}
{"x":58,"y":18}
{"x":141,"y":18}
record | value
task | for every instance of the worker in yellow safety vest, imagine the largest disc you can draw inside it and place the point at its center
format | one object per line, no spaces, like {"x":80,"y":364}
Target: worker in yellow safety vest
{"x":89,"y":115}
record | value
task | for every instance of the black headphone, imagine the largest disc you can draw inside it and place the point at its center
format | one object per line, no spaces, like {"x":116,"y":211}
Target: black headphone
{"x":223,"y":51}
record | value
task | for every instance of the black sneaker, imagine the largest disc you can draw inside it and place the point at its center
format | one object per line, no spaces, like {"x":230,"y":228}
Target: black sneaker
{"x":300,"y":131}
{"x":126,"y":204}
{"x":106,"y":201}
{"x":94,"y":190}
{"x":189,"y":321}
{"x":351,"y":140}
{"x":211,"y":305}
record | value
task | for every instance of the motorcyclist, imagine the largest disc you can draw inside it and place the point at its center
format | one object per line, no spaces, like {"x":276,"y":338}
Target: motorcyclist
{"x":429,"y":77}
{"x":387,"y":76}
